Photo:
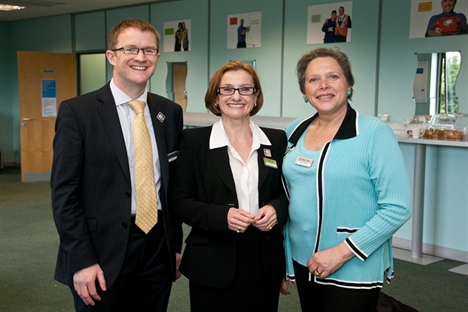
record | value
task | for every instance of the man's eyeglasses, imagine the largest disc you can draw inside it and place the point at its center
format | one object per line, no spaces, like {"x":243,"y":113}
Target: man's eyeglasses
{"x":241,"y":90}
{"x":135,"y":51}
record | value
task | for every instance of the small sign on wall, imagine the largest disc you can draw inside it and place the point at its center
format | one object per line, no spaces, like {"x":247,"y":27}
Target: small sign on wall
{"x":49,"y":98}
{"x":420,"y":83}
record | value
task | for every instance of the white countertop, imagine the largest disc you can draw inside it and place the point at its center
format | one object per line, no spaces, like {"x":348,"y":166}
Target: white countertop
{"x":434,"y":142}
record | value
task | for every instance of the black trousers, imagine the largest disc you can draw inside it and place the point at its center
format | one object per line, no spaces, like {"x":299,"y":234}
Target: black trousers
{"x":241,"y":44}
{"x":144,"y":282}
{"x":249,"y":291}
{"x":317,"y":297}
{"x":340,"y":38}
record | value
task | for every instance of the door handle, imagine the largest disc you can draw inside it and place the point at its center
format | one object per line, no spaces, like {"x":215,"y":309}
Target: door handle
{"x":27,"y":119}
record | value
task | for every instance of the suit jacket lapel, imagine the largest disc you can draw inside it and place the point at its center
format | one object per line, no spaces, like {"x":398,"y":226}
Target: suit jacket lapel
{"x":262,"y":169}
{"x":220,"y":160}
{"x":111,"y":122}
{"x":157,"y":118}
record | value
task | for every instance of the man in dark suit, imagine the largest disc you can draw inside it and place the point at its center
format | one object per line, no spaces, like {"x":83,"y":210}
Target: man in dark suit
{"x":108,"y":262}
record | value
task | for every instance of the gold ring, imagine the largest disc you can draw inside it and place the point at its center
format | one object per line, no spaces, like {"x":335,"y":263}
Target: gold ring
{"x":317,"y":273}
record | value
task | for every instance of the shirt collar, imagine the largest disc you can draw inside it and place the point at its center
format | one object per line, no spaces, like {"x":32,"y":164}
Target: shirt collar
{"x":121,"y":98}
{"x":218,"y":137}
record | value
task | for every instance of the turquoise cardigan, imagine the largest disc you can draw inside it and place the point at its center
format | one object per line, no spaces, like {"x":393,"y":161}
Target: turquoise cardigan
{"x":362,"y":196}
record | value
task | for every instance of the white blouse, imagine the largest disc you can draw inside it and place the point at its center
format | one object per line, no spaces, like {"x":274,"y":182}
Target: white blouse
{"x":245,"y":173}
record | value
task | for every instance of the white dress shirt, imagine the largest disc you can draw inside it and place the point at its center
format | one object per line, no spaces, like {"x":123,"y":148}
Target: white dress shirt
{"x":245,"y":173}
{"x":126,"y":116}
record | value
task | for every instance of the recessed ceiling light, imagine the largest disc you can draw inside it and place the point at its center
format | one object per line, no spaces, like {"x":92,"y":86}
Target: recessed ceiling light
{"x":8,"y":7}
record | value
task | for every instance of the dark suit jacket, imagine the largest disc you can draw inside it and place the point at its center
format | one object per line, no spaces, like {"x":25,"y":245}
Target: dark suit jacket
{"x":90,"y":180}
{"x":204,"y":191}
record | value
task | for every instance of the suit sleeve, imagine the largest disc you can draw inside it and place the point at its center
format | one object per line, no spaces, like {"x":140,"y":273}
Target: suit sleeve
{"x":66,"y":179}
{"x":176,"y":223}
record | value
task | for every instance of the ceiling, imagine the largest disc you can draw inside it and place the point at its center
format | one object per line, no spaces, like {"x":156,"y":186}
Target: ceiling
{"x":40,"y":8}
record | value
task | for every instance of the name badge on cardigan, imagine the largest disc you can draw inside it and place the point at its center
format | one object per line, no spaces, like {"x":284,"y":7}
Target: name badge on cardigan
{"x":304,"y":162}
{"x":270,"y":163}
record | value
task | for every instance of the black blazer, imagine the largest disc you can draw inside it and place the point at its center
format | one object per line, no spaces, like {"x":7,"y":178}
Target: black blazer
{"x":204,"y":191}
{"x":90,"y":180}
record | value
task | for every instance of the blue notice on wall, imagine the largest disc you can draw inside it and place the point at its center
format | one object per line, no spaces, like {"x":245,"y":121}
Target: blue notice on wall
{"x":49,"y":89}
{"x":49,"y":98}
{"x":420,"y":71}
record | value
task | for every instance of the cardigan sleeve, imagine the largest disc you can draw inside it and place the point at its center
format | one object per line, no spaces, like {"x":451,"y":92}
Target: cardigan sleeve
{"x":388,"y":173}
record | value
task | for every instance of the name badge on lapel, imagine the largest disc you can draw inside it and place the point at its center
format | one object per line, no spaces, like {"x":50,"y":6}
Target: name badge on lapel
{"x":304,"y":162}
{"x":161,"y":117}
{"x":270,"y":163}
{"x":172,"y":156}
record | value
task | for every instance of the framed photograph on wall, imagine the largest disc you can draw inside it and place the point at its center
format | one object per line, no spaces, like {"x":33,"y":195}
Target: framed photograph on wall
{"x":244,"y":30}
{"x":438,"y":18}
{"x":177,"y":36}
{"x":329,"y":23}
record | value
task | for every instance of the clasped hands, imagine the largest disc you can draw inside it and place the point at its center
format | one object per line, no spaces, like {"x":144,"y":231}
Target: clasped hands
{"x":239,"y":220}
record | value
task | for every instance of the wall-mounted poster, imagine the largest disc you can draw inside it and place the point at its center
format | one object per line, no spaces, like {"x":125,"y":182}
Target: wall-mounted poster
{"x":329,"y":23}
{"x":49,"y":97}
{"x":244,"y":30}
{"x":438,"y":18}
{"x":177,"y":36}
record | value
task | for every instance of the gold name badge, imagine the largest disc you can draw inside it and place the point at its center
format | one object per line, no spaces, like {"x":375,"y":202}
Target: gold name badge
{"x":270,"y":163}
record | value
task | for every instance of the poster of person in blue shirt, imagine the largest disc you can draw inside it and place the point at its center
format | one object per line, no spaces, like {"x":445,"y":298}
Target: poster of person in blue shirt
{"x":244,"y":30}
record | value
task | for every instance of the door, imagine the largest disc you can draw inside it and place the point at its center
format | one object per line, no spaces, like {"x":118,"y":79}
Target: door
{"x":44,"y":80}
{"x":179,"y":75}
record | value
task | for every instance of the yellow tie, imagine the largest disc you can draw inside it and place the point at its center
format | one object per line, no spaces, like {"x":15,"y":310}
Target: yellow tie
{"x":147,"y":204}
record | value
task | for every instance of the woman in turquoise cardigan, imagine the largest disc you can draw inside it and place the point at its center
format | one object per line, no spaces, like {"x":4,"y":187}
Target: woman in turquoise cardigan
{"x":349,"y":193}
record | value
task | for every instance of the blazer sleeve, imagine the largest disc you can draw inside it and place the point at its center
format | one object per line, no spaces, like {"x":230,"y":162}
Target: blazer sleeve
{"x":199,"y":197}
{"x":66,"y":176}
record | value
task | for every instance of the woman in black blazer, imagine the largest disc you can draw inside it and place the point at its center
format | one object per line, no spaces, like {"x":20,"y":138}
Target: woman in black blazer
{"x":228,"y":188}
